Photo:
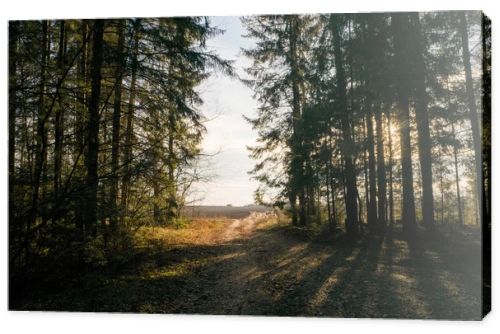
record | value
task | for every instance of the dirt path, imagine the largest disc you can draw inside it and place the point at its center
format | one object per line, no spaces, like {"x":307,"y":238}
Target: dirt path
{"x":256,"y":266}
{"x":267,"y":271}
{"x":241,"y":228}
{"x":229,"y":281}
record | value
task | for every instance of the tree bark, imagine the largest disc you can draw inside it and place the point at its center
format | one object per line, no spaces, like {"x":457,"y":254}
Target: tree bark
{"x":115,"y":140}
{"x":457,"y":179}
{"x":129,"y":130}
{"x":92,"y":152}
{"x":41,"y":144}
{"x":473,"y":116}
{"x":347,"y":145}
{"x":297,"y":172}
{"x":59,"y":116}
{"x":391,"y":188}
{"x":381,"y":179}
{"x":172,"y":162}
{"x":400,"y":23}
{"x":422,"y":118}
{"x":372,"y":203}
{"x":13,"y":41}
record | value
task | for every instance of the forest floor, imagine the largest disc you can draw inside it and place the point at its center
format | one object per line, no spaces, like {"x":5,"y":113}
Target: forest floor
{"x":260,"y":266}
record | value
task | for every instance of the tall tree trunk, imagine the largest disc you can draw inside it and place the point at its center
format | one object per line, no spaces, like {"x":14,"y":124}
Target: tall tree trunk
{"x":41,"y":144}
{"x":372,"y":204}
{"x":486,"y":122}
{"x":400,"y":23}
{"x":348,"y":145}
{"x":381,"y":186}
{"x":422,"y":118}
{"x":471,"y":100}
{"x":157,"y":182}
{"x":91,"y":154}
{"x":82,"y":93}
{"x":334,"y":210}
{"x":58,"y":120}
{"x":328,"y":203}
{"x":171,"y":165}
{"x":365,"y":173}
{"x":79,"y":136}
{"x":297,"y":163}
{"x":129,"y":130}
{"x":13,"y":37}
{"x":391,"y":188}
{"x":457,"y":179}
{"x":115,"y":140}
{"x":332,"y":185}
{"x":441,"y":188}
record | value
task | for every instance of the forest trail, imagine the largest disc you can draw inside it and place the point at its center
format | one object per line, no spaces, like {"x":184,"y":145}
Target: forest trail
{"x":242,"y":227}
{"x":114,"y":129}
{"x":260,"y":266}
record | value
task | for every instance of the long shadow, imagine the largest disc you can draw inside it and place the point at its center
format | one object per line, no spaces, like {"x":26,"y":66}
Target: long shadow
{"x":271,"y":273}
{"x":357,"y":289}
{"x":297,"y":285}
{"x":447,"y":276}
{"x":155,"y":279}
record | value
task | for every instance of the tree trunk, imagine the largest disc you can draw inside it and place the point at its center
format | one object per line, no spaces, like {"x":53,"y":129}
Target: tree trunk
{"x":297,"y":173}
{"x":58,"y":121}
{"x":372,"y":203}
{"x":391,"y":188}
{"x":172,"y":189}
{"x":157,"y":182}
{"x":400,"y":23}
{"x":328,"y":204}
{"x":365,"y":173}
{"x":381,"y":187}
{"x":471,"y":100}
{"x":13,"y":36}
{"x":457,"y":179}
{"x":129,"y":130}
{"x":441,"y":186}
{"x":348,"y":145}
{"x":41,"y":144}
{"x":115,"y":140}
{"x":332,"y":185}
{"x":486,"y":125}
{"x":422,"y":118}
{"x":91,"y":154}
{"x":79,"y":136}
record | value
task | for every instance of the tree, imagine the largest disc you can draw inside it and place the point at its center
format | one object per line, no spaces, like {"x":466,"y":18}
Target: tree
{"x":117,"y":114}
{"x":350,"y":173}
{"x":282,"y":43}
{"x":400,"y":25}
{"x":424,"y":140}
{"x":471,"y":101}
{"x":92,"y":152}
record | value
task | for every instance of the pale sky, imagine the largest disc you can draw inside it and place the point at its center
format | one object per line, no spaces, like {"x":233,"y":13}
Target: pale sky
{"x":226,"y":100}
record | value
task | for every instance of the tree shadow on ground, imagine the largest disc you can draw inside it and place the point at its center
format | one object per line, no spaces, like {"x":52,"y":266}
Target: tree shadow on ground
{"x":274,"y":273}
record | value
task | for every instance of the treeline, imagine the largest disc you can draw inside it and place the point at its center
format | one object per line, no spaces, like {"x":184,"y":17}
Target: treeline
{"x":372,"y":119}
{"x":104,"y":131}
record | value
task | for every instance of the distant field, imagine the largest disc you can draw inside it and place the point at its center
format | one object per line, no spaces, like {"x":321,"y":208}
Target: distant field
{"x":235,"y":212}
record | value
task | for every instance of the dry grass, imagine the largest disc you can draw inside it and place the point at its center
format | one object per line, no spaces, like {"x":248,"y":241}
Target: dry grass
{"x":201,"y":231}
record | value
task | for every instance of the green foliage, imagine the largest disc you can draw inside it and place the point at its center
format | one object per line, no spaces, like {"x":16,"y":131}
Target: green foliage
{"x":328,"y":87}
{"x":107,"y":134}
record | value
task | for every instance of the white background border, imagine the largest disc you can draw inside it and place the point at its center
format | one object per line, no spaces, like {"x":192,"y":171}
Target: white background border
{"x":50,"y":322}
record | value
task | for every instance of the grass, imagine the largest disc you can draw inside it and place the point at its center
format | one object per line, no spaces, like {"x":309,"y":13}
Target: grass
{"x":201,"y":231}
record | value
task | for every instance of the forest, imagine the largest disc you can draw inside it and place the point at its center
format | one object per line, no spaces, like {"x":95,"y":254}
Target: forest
{"x":373,"y":130}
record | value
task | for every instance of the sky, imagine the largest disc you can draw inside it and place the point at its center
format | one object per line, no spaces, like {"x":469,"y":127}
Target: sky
{"x":226,"y":100}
